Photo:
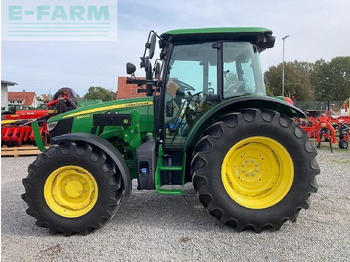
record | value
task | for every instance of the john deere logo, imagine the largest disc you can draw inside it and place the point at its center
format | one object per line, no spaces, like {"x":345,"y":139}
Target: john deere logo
{"x":125,"y":121}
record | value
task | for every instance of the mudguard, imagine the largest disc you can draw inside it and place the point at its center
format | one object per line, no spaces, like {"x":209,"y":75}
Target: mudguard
{"x":107,"y":147}
{"x":236,"y":104}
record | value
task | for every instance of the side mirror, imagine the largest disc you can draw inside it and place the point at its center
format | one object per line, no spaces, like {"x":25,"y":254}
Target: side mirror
{"x":152,"y":45}
{"x":130,"y":68}
{"x":169,"y":109}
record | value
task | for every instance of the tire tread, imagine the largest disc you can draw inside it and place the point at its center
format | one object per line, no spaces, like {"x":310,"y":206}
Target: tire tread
{"x":83,"y":150}
{"x":200,"y":167}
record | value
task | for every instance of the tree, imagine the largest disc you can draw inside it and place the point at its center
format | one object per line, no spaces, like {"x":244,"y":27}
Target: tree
{"x":97,"y":92}
{"x":321,"y":80}
{"x":332,"y":79}
{"x":296,"y":83}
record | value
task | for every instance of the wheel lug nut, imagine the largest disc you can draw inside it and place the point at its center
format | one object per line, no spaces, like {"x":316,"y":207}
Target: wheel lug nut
{"x":247,"y":174}
{"x":253,"y":174}
{"x":243,"y":165}
{"x":256,"y":164}
{"x":243,"y":171}
{"x":257,"y":170}
{"x":247,"y":161}
{"x":253,"y":160}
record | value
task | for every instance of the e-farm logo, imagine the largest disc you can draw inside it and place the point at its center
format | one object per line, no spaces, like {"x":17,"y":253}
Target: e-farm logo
{"x":59,"y":20}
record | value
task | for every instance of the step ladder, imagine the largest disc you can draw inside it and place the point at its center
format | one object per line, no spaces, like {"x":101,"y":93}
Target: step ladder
{"x":160,"y":167}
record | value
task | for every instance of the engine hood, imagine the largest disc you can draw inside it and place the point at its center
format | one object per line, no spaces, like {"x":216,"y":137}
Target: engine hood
{"x":105,"y":107}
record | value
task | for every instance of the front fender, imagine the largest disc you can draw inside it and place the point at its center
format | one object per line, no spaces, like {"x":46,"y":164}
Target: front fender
{"x":107,"y":147}
{"x":236,"y":104}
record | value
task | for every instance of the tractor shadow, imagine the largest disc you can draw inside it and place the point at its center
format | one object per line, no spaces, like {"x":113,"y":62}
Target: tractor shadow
{"x":148,"y":209}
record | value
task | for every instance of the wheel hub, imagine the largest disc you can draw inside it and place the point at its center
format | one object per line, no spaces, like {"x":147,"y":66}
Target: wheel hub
{"x":70,"y":191}
{"x":257,"y":172}
{"x":74,"y":189}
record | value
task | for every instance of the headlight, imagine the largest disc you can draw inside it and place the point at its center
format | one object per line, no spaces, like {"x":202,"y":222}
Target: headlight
{"x":51,"y":125}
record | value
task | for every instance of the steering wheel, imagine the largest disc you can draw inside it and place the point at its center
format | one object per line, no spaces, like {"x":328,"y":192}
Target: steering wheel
{"x":184,"y":86}
{"x":237,"y":87}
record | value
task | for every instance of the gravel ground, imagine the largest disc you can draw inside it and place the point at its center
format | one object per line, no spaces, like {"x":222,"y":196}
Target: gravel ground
{"x":151,"y":227}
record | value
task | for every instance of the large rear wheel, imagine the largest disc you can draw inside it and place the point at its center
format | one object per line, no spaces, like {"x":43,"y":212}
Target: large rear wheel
{"x":254,"y":169}
{"x":73,"y":188}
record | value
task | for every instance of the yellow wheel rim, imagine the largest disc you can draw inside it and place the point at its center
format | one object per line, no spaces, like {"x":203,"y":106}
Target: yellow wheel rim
{"x":257,"y":172}
{"x":70,"y":191}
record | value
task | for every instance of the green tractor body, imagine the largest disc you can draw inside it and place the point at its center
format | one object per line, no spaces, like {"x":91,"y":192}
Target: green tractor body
{"x":205,"y":119}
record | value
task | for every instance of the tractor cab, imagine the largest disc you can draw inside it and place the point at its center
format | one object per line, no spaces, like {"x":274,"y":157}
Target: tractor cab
{"x":206,"y":68}
{"x":199,"y":69}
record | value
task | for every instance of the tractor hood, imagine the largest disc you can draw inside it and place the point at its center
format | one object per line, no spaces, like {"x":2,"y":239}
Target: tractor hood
{"x":81,"y":120}
{"x":105,"y":107}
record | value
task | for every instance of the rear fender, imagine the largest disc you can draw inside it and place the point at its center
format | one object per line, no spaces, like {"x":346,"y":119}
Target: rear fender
{"x":236,"y":104}
{"x":107,"y":147}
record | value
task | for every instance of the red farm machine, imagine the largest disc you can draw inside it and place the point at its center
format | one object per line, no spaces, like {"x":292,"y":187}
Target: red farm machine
{"x":16,"y":129}
{"x":329,"y":126}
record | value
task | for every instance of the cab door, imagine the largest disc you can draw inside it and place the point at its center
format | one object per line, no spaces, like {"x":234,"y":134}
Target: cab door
{"x":191,"y":78}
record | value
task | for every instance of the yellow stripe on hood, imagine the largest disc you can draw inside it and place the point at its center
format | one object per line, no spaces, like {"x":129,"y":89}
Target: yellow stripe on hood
{"x":111,"y":107}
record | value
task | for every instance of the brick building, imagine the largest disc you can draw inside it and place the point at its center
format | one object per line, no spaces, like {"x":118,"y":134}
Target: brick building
{"x":127,"y":90}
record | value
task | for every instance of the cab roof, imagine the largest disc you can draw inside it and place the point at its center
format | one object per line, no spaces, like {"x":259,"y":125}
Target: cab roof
{"x":255,"y":35}
{"x":214,"y":30}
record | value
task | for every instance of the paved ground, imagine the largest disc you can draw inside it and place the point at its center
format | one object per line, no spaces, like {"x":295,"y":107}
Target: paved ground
{"x":150,"y":227}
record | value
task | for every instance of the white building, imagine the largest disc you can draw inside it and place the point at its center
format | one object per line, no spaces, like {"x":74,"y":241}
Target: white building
{"x":4,"y":94}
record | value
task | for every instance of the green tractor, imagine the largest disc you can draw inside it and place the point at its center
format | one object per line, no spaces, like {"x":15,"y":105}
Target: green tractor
{"x":205,"y":119}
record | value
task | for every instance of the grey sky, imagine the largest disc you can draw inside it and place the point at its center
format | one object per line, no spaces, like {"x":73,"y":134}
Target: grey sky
{"x":317,"y":29}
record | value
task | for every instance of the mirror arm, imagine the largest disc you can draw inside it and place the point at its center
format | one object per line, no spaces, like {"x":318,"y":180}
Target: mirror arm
{"x":141,"y":82}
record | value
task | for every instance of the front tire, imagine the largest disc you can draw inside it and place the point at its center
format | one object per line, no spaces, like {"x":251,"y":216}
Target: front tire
{"x":72,"y":188}
{"x":254,"y":169}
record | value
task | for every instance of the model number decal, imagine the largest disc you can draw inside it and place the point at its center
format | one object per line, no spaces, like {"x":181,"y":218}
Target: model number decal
{"x":137,"y":104}
{"x":83,"y":116}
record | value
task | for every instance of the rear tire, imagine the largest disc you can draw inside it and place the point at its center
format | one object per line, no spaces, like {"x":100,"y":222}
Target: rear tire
{"x":72,"y":188}
{"x":254,"y":170}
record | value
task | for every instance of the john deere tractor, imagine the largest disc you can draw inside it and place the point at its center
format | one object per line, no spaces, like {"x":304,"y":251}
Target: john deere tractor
{"x":205,"y":119}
